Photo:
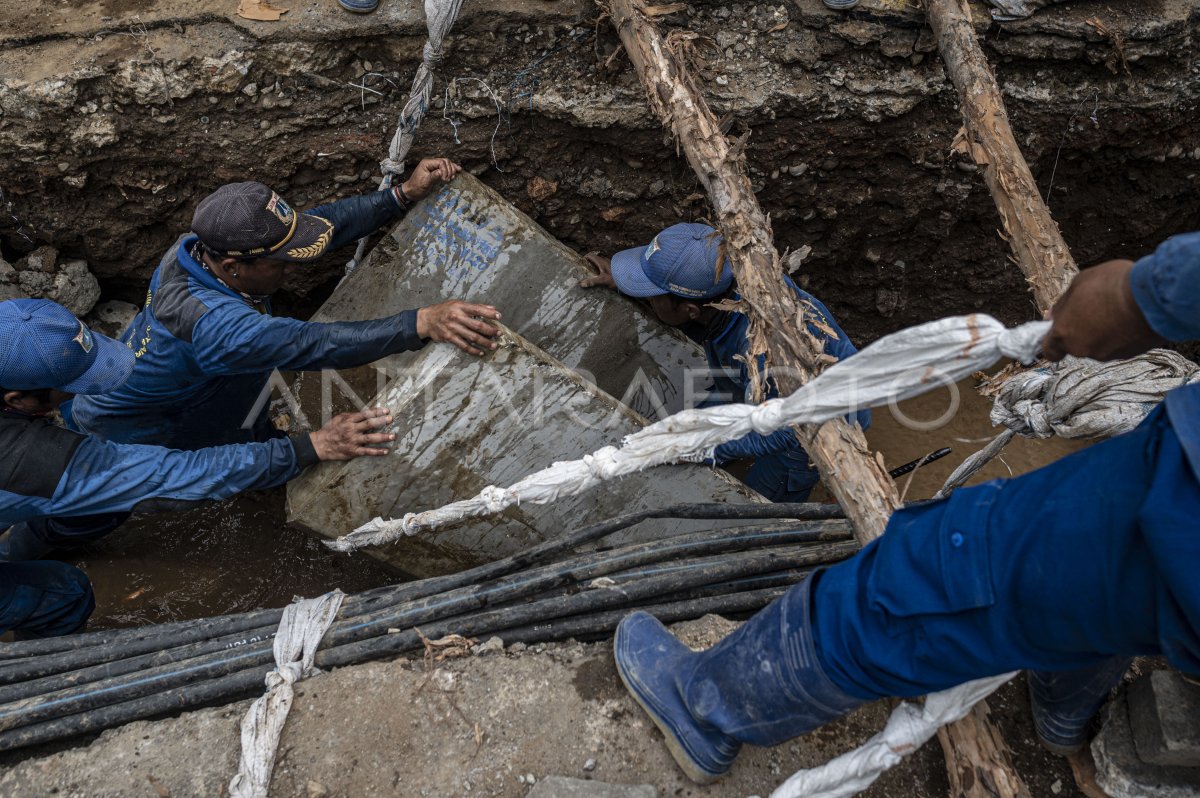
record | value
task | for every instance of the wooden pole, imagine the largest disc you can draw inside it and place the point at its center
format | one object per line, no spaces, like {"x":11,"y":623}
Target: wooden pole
{"x":975,"y":752}
{"x":855,"y":476}
{"x":987,"y":137}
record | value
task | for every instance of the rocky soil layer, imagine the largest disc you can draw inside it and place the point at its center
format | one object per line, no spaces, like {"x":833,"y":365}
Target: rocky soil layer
{"x":117,"y":116}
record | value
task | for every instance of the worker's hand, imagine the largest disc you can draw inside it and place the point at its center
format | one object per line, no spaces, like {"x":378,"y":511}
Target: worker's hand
{"x":459,"y":323}
{"x":604,"y":278}
{"x":353,"y":435}
{"x":1099,"y":318}
{"x":429,"y":173}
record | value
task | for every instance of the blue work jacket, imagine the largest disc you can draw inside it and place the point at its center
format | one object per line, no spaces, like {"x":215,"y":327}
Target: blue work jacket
{"x":205,"y":352}
{"x":48,"y":471}
{"x":725,"y":347}
{"x":1166,"y":285}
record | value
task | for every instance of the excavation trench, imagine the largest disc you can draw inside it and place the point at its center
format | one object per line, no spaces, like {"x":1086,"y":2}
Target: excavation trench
{"x":117,"y":116}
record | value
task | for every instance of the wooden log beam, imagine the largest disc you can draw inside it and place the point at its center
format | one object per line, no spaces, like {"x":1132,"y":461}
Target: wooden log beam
{"x":975,"y":751}
{"x":987,"y":137}
{"x":855,"y":476}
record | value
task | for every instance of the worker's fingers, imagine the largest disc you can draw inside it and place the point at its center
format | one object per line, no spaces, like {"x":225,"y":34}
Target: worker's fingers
{"x":1052,"y":347}
{"x":367,"y":451}
{"x":486,"y":311}
{"x":465,"y":333}
{"x":373,"y":437}
{"x":480,"y":326}
{"x":376,"y":422}
{"x":599,"y":279}
{"x":464,"y":346}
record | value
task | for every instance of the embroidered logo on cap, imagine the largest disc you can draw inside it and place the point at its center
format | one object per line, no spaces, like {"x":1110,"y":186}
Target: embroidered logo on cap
{"x":84,"y":339}
{"x":650,"y":250}
{"x":283,"y":212}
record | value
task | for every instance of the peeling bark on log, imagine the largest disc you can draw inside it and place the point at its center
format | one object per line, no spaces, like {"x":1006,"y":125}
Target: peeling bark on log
{"x":987,"y":137}
{"x":856,"y":478}
{"x":977,"y":758}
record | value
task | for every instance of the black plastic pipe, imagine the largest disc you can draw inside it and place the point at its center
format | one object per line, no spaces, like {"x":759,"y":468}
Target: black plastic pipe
{"x":177,"y":632}
{"x":365,"y":632}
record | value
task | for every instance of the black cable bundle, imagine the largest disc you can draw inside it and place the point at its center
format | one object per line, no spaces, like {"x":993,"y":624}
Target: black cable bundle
{"x":61,"y":687}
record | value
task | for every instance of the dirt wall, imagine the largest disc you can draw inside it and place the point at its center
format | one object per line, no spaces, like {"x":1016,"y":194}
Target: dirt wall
{"x":117,"y":116}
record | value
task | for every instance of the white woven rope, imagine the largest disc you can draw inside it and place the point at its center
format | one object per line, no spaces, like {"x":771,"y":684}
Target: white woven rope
{"x":439,"y":18}
{"x":301,"y":629}
{"x":1079,"y":398}
{"x":895,"y":367}
{"x":909,"y":727}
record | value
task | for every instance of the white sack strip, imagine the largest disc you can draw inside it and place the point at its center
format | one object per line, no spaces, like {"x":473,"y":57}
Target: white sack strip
{"x":895,"y":367}
{"x":439,"y":18}
{"x":1080,"y":398}
{"x":300,"y":631}
{"x":908,"y":728}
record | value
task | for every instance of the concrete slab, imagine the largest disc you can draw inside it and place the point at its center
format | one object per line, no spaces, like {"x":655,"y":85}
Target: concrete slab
{"x":1164,"y":713}
{"x":1120,"y":772}
{"x":563,"y":787}
{"x":464,"y":423}
{"x":467,"y":242}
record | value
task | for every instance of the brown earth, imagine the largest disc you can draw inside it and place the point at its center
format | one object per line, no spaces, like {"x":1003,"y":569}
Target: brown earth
{"x":118,"y":116}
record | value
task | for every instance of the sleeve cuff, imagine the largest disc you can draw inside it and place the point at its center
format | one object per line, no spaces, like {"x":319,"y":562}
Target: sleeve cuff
{"x":1147,"y":294}
{"x":306,"y":453}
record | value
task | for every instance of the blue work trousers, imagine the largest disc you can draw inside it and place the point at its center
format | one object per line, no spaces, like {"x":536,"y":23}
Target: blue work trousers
{"x":1061,"y":569}
{"x":785,"y":476}
{"x":44,"y":599}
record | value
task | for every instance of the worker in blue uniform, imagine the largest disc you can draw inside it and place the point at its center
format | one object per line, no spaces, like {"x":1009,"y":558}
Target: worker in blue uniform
{"x":682,"y":274}
{"x":1067,"y":571}
{"x":59,"y":487}
{"x":206,"y":342}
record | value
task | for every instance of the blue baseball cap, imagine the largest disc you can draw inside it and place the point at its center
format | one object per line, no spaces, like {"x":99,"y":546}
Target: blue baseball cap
{"x":43,"y":345}
{"x":681,"y":260}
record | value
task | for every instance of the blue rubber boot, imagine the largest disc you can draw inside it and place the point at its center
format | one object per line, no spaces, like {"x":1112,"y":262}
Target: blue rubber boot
{"x":1065,"y":702}
{"x":20,"y":544}
{"x":364,"y":6}
{"x":761,"y":685}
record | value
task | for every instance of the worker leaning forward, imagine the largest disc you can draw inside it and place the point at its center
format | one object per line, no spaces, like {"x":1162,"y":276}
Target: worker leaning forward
{"x":683,"y":274}
{"x":1067,"y":571}
{"x":206,"y":343}
{"x":59,"y":487}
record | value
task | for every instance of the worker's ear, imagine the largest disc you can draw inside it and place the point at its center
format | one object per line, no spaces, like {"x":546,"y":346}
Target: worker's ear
{"x":20,"y":400}
{"x":692,"y":310}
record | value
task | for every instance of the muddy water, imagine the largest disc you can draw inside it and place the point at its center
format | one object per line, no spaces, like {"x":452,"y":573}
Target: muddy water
{"x":240,"y":555}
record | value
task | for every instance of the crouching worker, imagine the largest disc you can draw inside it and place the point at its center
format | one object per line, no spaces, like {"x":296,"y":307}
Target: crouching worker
{"x":682,"y":274}
{"x":61,"y":488}
{"x":206,"y":342}
{"x":1067,"y":571}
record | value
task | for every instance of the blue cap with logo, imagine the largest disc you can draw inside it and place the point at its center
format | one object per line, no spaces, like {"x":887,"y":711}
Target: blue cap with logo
{"x":43,"y":345}
{"x":681,"y":260}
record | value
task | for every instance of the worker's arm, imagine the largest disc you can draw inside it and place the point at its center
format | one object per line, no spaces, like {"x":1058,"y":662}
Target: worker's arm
{"x":360,"y":216}
{"x":1166,"y":286}
{"x":1120,"y":309}
{"x":236,"y":339}
{"x":105,"y":477}
{"x":233,"y":338}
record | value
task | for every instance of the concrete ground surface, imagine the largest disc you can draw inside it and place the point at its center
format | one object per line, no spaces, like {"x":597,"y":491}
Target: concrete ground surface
{"x":489,"y":725}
